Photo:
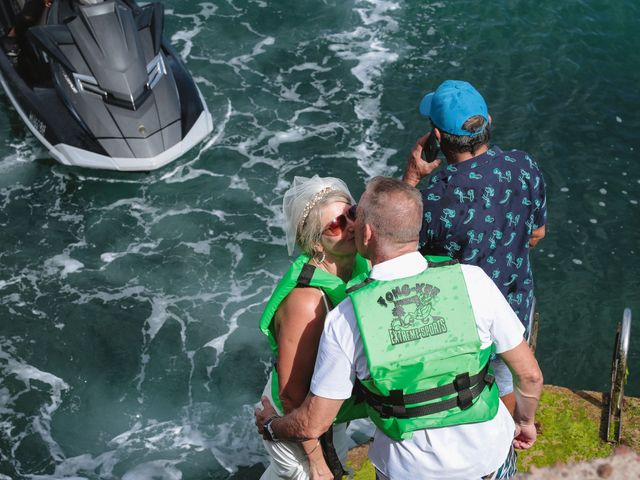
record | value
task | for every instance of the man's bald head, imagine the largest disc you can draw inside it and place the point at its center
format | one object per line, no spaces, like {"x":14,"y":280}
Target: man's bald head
{"x":393,"y":209}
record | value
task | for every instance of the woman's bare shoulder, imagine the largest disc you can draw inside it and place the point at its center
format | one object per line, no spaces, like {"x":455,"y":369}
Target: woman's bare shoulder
{"x":302,"y":305}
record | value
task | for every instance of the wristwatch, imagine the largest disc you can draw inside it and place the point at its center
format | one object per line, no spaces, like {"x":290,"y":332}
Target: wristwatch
{"x":269,"y":430}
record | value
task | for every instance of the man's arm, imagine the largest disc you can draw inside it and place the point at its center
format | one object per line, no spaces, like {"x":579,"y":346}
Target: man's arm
{"x":309,"y":420}
{"x":539,"y":199}
{"x":527,"y":379}
{"x":417,"y":168}
{"x":537,"y":235}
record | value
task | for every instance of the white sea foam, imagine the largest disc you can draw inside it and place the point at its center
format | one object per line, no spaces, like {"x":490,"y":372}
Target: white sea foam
{"x":236,"y":253}
{"x":236,"y":443}
{"x":159,"y":315}
{"x":219,"y":214}
{"x":306,"y":66}
{"x":186,"y":36}
{"x":218,"y":343}
{"x":157,"y":470}
{"x":297,"y":134}
{"x":242,"y":62}
{"x":24,"y":153}
{"x":143,"y":249}
{"x":107,"y":295}
{"x":365,"y":45}
{"x":167,"y":445}
{"x":46,"y":383}
{"x":62,"y":264}
{"x":238,"y":183}
{"x":202,"y":248}
{"x":185,"y":172}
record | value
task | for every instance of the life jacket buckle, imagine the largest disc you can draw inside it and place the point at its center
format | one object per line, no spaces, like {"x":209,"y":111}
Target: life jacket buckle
{"x":489,"y":379}
{"x":359,"y":391}
{"x":396,"y":397}
{"x":462,"y":384}
{"x":396,"y":411}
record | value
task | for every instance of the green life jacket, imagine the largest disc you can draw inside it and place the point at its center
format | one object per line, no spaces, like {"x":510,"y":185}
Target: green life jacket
{"x":303,"y":274}
{"x":423,"y":351}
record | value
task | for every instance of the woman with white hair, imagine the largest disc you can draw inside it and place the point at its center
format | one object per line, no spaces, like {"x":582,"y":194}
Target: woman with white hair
{"x":319,"y":217}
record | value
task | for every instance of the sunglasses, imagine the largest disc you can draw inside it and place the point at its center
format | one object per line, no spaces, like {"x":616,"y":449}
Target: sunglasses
{"x":338,"y":224}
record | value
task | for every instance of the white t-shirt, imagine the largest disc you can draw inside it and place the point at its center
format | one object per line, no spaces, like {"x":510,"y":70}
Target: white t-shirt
{"x":458,"y":452}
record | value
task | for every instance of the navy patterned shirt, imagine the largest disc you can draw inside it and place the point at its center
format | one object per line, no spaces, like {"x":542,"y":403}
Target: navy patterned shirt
{"x":482,"y":212}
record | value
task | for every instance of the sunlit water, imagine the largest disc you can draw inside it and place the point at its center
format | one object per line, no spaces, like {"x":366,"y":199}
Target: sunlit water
{"x":129,"y":303}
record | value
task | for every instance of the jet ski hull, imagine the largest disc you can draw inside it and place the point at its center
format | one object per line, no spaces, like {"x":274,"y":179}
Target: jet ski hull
{"x":127,"y":112}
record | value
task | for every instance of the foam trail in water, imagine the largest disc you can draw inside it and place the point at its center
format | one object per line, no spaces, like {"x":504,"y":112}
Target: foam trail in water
{"x":166,"y":445}
{"x":178,"y":174}
{"x":187,"y":36}
{"x":62,"y":264}
{"x":218,"y":343}
{"x":35,"y":381}
{"x":365,"y":45}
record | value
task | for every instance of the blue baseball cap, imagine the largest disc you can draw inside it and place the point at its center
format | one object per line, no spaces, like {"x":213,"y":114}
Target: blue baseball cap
{"x":453,"y":103}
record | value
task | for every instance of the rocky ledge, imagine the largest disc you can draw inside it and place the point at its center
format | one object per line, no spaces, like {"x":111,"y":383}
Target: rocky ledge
{"x":624,"y":464}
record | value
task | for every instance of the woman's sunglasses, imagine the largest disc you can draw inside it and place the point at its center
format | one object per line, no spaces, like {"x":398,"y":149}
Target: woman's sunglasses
{"x":338,"y":224}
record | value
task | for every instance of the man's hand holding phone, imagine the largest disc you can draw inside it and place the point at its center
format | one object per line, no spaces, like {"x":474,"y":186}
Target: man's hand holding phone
{"x":422,"y":160}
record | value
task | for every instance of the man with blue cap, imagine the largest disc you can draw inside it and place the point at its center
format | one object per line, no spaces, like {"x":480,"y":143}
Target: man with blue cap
{"x":487,"y":207}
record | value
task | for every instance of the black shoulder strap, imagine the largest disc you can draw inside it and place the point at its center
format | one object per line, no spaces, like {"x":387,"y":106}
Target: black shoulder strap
{"x":358,"y":286}
{"x":444,"y":263}
{"x":306,"y":274}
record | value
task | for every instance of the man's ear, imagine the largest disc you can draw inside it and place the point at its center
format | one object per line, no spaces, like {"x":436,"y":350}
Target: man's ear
{"x":367,"y":234}
{"x":490,"y":119}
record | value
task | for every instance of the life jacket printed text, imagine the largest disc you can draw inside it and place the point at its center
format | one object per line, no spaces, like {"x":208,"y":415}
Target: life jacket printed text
{"x":413,"y":317}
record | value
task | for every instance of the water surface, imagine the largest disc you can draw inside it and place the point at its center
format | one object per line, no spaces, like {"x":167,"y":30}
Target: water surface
{"x":129,"y":303}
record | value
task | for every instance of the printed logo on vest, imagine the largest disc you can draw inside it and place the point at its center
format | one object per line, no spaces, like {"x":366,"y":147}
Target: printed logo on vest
{"x":412,"y":312}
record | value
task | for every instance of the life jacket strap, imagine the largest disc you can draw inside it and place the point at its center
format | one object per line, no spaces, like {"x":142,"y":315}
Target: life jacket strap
{"x":444,"y":263}
{"x":466,"y":387}
{"x":306,"y":274}
{"x":358,"y":286}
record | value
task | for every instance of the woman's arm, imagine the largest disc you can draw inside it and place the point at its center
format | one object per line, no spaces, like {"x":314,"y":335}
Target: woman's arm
{"x":299,"y":324}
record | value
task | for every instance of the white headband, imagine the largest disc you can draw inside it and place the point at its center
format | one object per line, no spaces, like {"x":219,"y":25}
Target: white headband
{"x":303,"y":195}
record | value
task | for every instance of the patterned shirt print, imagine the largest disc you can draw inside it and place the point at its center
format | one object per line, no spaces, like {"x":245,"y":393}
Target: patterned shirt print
{"x":482,"y":212}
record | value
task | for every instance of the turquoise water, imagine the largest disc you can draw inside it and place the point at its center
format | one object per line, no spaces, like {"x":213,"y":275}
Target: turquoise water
{"x":129,"y":302}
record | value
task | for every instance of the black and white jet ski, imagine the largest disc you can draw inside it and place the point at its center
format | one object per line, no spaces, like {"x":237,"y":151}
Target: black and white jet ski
{"x":99,"y":86}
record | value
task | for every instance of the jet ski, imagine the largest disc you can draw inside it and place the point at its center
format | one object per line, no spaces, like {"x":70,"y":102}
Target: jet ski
{"x":99,"y":86}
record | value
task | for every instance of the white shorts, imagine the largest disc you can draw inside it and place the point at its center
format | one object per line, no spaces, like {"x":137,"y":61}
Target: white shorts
{"x":287,"y":459}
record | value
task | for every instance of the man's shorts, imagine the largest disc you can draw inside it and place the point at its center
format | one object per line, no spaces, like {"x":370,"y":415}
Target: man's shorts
{"x":507,"y":470}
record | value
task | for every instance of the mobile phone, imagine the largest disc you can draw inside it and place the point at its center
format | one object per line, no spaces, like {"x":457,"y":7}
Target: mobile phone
{"x":431,"y":148}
